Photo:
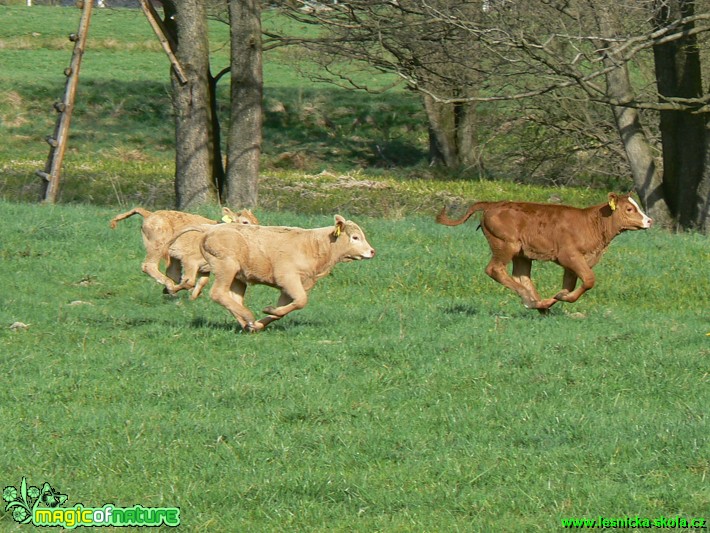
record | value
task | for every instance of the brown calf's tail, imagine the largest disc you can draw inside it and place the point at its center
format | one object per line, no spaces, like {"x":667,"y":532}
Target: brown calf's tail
{"x":442,"y":218}
{"x":136,"y":210}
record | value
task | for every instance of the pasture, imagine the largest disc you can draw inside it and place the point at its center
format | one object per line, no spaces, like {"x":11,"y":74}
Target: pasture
{"x":412,"y":393}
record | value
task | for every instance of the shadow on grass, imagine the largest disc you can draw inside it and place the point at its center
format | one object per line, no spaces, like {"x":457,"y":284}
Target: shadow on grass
{"x":461,"y":309}
{"x":287,"y":324}
{"x":518,"y":314}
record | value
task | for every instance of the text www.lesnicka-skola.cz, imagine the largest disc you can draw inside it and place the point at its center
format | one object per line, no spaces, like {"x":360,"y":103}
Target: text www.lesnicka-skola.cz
{"x":661,"y":522}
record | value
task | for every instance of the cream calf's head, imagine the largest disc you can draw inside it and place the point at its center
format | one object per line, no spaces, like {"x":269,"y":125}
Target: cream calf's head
{"x":351,"y":238}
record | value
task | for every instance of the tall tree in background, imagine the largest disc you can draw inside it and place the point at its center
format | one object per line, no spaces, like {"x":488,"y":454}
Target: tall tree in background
{"x":554,"y":57}
{"x":244,"y":138}
{"x":186,"y":23}
{"x":402,"y":37}
{"x":647,"y":174}
{"x":685,"y":132}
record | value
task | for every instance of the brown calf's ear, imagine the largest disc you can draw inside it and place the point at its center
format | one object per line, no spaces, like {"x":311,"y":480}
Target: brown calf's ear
{"x":613,"y":201}
{"x":339,"y":226}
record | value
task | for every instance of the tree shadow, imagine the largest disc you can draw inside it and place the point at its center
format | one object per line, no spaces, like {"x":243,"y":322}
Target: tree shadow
{"x":461,"y":309}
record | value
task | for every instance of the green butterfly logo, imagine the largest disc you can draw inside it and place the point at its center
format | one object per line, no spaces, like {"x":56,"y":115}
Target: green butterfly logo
{"x":24,"y":501}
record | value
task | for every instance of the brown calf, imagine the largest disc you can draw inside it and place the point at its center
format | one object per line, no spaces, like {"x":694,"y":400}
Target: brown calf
{"x":289,"y":259}
{"x":573,"y":238}
{"x":158,"y":229}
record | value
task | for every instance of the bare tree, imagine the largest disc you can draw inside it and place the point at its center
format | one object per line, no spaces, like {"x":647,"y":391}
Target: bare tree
{"x":400,"y":36}
{"x":555,"y":57}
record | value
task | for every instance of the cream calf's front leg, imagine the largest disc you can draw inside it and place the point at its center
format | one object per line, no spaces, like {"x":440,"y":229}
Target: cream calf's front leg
{"x":284,"y":299}
{"x":293,"y":297}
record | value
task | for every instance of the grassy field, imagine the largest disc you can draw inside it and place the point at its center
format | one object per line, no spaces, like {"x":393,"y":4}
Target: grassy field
{"x":122,"y":137}
{"x":412,"y":394}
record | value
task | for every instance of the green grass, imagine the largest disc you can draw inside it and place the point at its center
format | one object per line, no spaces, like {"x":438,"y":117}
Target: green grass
{"x":412,"y":393}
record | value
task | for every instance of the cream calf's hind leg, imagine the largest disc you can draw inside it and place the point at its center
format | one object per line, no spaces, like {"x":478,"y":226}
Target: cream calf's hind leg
{"x":202,"y":280}
{"x":150,"y":267}
{"x":229,"y":292}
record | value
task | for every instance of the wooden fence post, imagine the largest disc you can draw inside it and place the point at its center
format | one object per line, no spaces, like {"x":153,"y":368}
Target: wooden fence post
{"x":58,"y":141}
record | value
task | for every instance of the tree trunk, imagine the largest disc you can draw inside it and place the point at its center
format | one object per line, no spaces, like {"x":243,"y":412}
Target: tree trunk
{"x":194,"y":141}
{"x":703,"y":196}
{"x":683,"y":133}
{"x":648,"y":180}
{"x":244,"y":137}
{"x":442,"y":142}
{"x":466,"y":115}
{"x":452,"y":134}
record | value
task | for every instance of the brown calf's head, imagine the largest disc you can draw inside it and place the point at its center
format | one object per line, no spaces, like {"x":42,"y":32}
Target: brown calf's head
{"x":348,"y":234}
{"x":627,"y":214}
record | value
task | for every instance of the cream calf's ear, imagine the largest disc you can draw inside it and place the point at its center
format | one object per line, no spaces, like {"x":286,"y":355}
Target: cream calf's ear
{"x":228,"y":216}
{"x":247,"y":214}
{"x":339,"y":226}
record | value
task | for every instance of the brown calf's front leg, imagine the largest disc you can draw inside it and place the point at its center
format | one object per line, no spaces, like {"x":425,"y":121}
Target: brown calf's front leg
{"x":522,"y":267}
{"x":575,"y":267}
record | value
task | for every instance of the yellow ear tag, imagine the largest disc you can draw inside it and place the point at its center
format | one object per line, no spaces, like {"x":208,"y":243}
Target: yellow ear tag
{"x":612,"y":204}
{"x":227,"y":219}
{"x":337,"y":231}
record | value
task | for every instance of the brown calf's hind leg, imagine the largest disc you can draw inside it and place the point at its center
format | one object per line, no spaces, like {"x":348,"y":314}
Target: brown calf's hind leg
{"x":498,"y":271}
{"x":522,"y":266}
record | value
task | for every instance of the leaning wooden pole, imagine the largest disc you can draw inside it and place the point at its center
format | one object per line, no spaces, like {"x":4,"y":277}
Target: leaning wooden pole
{"x":58,"y":141}
{"x":165,"y":41}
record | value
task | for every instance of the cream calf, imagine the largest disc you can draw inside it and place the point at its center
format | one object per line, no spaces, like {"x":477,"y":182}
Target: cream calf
{"x":289,"y":259}
{"x":159,"y":228}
